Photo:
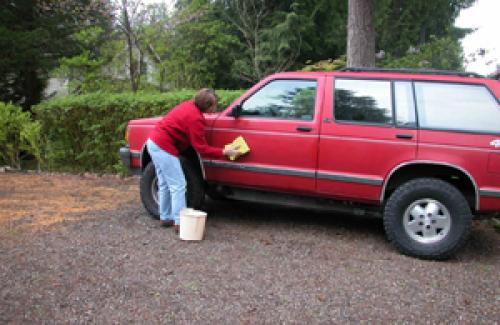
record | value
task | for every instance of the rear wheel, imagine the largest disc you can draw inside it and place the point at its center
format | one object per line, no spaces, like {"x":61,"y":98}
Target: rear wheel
{"x":427,"y":218}
{"x":148,"y":186}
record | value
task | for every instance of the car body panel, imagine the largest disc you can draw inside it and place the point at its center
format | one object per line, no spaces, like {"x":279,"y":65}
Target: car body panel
{"x":354,"y":158}
{"x":335,"y":159}
{"x":281,"y":156}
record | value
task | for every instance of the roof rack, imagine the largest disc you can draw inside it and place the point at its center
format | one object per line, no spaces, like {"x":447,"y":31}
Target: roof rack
{"x":421,"y":71}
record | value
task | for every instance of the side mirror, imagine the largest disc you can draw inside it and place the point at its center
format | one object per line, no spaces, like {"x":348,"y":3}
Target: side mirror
{"x":236,"y":110}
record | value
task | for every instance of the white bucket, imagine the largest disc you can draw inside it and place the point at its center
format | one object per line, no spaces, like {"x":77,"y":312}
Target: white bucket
{"x":192,"y":224}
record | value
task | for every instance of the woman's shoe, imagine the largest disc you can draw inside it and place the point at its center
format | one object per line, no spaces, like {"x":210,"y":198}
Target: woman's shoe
{"x":167,"y":223}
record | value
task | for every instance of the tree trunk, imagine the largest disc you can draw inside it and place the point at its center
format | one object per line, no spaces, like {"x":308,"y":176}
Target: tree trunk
{"x":361,"y":34}
{"x":130,"y":46}
{"x":33,"y":86}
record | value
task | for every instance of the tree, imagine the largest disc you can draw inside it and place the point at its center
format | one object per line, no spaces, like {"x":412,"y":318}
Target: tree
{"x":248,"y":17}
{"x":157,"y":25}
{"x":127,"y":23}
{"x":34,"y":35}
{"x":234,"y":43}
{"x":326,"y":36}
{"x":361,"y":34}
{"x":169,"y":38}
{"x":271,"y":38}
{"x":200,"y":48}
{"x":439,"y":53}
{"x":401,"y":25}
{"x":84,"y":70}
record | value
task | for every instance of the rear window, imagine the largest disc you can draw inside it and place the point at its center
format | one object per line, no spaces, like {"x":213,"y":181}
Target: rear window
{"x":446,"y":106}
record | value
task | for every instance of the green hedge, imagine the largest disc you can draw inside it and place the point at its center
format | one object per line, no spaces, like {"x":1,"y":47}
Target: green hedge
{"x":84,"y":132}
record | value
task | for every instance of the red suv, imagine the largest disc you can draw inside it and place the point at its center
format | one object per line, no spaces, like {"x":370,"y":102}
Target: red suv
{"x":421,"y":149}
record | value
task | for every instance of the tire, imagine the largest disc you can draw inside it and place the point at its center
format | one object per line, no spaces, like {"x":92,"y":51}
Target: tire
{"x":427,"y":218}
{"x":148,"y":190}
{"x":195,"y":192}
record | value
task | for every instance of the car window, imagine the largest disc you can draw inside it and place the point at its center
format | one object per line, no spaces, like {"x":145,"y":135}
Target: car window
{"x":283,"y":99}
{"x":458,"y":107}
{"x":405,"y":106}
{"x":365,"y":101}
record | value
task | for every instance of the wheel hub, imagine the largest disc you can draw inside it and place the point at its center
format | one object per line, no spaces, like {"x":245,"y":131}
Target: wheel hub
{"x":154,"y":191}
{"x":427,"y":221}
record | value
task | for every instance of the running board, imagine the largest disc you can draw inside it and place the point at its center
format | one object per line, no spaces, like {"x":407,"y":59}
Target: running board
{"x":298,"y":201}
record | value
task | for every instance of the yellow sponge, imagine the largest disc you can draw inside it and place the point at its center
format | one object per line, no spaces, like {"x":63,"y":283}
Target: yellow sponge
{"x":241,"y":143}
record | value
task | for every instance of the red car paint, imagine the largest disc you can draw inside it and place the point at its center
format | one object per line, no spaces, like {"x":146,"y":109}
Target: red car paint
{"x":328,"y":158}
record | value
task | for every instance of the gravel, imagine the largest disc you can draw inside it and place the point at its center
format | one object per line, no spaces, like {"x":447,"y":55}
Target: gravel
{"x":81,"y":249}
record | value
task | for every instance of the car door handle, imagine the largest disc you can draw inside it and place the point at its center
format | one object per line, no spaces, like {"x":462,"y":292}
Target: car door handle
{"x":404,"y":136}
{"x":304,"y":129}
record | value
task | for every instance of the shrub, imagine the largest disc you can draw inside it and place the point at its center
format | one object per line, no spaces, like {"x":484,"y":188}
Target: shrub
{"x":439,"y":53}
{"x":18,"y":134}
{"x":325,"y":65}
{"x":84,"y":132}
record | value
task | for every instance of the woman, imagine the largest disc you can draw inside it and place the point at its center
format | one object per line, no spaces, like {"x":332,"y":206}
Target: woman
{"x":182,"y":127}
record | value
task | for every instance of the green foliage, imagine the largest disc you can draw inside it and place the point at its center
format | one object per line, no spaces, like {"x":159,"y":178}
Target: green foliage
{"x":272,"y":35}
{"x":18,"y":134}
{"x":34,"y":35}
{"x":84,"y":132}
{"x":198,"y":49}
{"x":220,"y":43}
{"x":282,"y":42}
{"x":83,"y":70}
{"x":444,"y":54}
{"x":326,"y":65}
{"x":325,"y":35}
{"x":303,"y":103}
{"x":404,"y":24}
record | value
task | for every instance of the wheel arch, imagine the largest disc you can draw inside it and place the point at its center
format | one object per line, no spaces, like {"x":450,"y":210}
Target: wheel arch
{"x":145,"y":157}
{"x":194,"y":157}
{"x":451,"y":173}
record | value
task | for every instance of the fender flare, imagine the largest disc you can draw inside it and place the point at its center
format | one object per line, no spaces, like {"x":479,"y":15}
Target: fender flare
{"x":430,"y":162}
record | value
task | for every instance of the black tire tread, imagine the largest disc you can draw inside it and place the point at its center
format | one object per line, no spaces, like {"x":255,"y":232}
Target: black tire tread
{"x":410,"y":187}
{"x":195,"y":187}
{"x":148,"y":202}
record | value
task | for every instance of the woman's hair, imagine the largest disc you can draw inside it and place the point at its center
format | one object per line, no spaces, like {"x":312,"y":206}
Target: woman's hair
{"x":205,"y":98}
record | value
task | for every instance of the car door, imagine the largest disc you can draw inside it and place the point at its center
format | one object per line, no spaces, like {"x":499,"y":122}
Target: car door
{"x":368,"y":128}
{"x":279,"y":121}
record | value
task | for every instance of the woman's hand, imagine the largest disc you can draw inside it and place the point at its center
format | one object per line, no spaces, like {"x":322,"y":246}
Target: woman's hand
{"x":231,"y":151}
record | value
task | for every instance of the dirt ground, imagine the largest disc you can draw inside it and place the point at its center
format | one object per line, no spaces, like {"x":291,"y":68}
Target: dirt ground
{"x":80,"y":249}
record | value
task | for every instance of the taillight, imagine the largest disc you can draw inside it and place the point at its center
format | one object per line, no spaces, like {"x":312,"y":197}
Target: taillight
{"x":126,"y":135}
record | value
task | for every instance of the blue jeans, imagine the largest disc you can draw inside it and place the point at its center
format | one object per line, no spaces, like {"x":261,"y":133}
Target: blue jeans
{"x":171,"y":182}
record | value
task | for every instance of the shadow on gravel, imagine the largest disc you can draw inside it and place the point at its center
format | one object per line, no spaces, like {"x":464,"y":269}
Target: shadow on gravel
{"x":274,"y":216}
{"x":481,"y":246}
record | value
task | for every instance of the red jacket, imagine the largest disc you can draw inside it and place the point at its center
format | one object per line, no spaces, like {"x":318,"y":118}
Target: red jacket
{"x":182,"y":126}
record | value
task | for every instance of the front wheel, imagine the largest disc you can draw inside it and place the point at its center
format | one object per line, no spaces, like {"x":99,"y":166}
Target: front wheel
{"x":427,"y":218}
{"x":148,"y":187}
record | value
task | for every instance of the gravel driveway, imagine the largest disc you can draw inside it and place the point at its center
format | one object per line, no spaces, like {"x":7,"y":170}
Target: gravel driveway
{"x":80,"y":249}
